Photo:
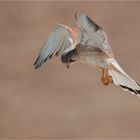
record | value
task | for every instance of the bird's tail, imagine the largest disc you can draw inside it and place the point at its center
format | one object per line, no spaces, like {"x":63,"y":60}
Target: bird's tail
{"x":120,"y":78}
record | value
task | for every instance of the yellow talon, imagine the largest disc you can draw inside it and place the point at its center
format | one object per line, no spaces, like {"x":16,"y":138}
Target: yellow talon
{"x":106,"y":79}
{"x":110,"y":79}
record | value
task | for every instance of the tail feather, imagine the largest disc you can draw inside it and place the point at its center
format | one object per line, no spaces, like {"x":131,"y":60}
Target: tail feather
{"x":120,"y":78}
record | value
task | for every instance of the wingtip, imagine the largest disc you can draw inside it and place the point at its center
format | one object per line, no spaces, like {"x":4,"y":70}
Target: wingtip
{"x":137,"y":92}
{"x":77,"y":14}
{"x":36,"y":65}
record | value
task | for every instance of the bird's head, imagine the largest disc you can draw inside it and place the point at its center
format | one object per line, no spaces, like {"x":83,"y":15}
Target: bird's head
{"x":69,"y":57}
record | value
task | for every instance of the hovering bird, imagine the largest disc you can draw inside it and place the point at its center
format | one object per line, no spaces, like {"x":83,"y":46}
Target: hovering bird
{"x":86,"y":44}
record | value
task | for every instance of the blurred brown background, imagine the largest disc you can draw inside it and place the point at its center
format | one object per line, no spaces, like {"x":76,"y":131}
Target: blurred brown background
{"x":55,"y":102}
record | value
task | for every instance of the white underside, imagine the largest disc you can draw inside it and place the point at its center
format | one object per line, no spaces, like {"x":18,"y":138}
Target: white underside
{"x":94,"y":61}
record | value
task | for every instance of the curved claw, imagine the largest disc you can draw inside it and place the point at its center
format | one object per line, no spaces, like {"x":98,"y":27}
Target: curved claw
{"x":67,"y":65}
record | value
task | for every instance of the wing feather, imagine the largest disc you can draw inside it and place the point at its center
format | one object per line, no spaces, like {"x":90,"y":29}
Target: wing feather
{"x":59,"y":40}
{"x":91,"y":34}
{"x":85,"y":23}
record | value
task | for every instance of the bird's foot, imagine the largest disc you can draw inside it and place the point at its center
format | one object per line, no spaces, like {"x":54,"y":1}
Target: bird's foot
{"x":106,"y":79}
{"x":109,"y":78}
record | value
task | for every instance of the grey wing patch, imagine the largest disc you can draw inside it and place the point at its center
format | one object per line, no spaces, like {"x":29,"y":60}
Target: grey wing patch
{"x":95,"y":26}
{"x":91,"y":34}
{"x":86,"y":23}
{"x":90,"y":50}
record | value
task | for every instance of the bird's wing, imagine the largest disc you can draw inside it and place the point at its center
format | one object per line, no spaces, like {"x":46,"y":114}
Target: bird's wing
{"x":91,"y":34}
{"x":59,"y":40}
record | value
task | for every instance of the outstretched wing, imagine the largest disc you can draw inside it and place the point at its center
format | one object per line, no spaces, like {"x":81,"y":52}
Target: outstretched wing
{"x":92,"y":35}
{"x":59,"y":40}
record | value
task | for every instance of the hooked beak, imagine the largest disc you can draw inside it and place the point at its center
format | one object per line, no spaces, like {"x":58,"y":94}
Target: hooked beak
{"x":67,"y":65}
{"x":69,"y":57}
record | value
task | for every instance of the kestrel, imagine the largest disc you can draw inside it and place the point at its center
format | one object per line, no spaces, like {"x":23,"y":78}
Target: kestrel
{"x":86,"y":44}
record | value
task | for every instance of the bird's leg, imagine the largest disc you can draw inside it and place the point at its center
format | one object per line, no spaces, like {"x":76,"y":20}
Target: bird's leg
{"x":104,"y":79}
{"x":108,"y":77}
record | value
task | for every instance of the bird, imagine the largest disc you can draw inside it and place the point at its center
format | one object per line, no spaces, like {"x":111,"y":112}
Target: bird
{"x":87,"y":43}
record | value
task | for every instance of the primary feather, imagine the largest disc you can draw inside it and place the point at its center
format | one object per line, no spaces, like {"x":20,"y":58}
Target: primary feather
{"x":59,"y":40}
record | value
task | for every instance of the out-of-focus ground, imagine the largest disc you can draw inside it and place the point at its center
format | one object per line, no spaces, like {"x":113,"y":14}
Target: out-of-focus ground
{"x":55,"y":102}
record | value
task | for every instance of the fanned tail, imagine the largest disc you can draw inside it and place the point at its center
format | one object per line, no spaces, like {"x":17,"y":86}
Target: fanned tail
{"x":120,"y":78}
